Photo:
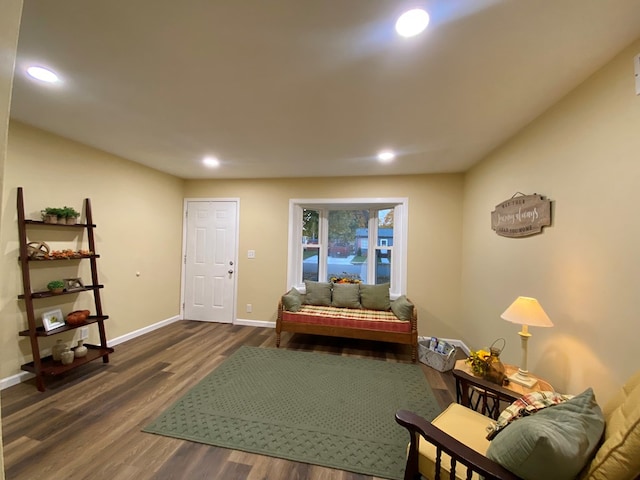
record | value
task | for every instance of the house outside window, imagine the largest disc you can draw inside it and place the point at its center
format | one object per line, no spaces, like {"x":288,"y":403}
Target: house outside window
{"x":331,"y":239}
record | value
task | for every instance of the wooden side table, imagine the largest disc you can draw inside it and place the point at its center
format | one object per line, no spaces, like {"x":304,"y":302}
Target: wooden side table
{"x":486,"y":397}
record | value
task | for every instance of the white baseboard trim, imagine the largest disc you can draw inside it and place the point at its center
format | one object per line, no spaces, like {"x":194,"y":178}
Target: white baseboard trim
{"x":141,"y":331}
{"x":24,"y":376}
{"x":458,"y":343}
{"x":15,"y":379}
{"x":254,"y":323}
{"x":453,"y":341}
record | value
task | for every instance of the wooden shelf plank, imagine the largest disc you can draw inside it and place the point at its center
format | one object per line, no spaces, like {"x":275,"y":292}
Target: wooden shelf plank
{"x":49,"y":367}
{"x":48,"y":294}
{"x":50,"y":259}
{"x":41,"y":332}
{"x":63,"y":225}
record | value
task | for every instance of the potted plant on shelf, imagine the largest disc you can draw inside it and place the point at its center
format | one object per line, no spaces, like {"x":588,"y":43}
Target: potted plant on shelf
{"x":51,"y":214}
{"x":70,"y":215}
{"x":56,"y":286}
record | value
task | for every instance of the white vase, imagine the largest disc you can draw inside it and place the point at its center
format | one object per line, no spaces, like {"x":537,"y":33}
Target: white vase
{"x":80,"y":350}
{"x":66,"y":357}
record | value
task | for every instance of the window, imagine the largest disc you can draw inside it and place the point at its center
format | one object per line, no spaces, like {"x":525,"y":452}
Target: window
{"x":332,"y":239}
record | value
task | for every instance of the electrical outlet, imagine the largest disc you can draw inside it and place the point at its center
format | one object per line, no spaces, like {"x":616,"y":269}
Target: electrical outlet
{"x":84,"y":333}
{"x":249,"y":308}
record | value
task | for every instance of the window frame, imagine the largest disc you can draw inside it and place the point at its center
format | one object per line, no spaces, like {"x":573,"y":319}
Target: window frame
{"x":400,"y":235}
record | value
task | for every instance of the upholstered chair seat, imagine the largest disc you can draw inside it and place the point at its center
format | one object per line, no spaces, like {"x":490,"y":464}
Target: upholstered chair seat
{"x":455,"y":441}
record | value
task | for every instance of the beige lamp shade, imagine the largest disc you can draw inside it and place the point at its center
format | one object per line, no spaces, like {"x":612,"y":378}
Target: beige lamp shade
{"x":526,"y":311}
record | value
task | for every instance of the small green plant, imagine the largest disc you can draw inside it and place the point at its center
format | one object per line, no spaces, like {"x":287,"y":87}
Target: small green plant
{"x":68,"y":212}
{"x":55,"y":284}
{"x":53,"y":211}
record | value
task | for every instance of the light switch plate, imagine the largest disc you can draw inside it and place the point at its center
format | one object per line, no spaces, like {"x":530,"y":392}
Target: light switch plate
{"x":251,"y":254}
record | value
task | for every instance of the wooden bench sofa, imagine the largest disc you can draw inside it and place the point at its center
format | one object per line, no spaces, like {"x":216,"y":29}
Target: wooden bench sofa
{"x":336,"y":313}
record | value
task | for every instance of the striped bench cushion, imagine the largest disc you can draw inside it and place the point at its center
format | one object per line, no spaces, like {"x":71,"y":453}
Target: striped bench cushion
{"x":348,"y":317}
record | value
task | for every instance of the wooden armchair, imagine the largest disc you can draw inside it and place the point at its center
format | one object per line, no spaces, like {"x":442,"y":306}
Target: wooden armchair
{"x":454,"y":445}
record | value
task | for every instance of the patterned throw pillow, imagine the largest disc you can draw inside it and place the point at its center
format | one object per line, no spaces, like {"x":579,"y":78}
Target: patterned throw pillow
{"x":524,"y":406}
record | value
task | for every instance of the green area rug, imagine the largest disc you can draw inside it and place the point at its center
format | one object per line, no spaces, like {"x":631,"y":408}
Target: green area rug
{"x":314,"y":408}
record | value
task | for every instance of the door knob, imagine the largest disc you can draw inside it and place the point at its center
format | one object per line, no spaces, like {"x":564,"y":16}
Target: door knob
{"x":230,"y":272}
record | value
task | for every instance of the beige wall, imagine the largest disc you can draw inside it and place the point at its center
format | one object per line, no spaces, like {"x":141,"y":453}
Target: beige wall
{"x":138,"y":212}
{"x":434,"y":238}
{"x":583,"y":154}
{"x":139,"y":216}
{"x":10,"y":14}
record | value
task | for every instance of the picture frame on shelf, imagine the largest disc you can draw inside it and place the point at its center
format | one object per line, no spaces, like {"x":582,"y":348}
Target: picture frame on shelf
{"x":53,"y":319}
{"x":71,"y":284}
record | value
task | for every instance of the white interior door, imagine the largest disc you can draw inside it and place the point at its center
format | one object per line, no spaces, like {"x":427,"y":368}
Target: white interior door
{"x":210,"y":261}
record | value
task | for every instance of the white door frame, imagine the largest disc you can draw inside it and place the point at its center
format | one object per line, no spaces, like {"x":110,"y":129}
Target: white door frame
{"x":184,"y":251}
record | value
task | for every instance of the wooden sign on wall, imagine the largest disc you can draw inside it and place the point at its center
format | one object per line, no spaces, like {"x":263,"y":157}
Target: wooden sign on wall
{"x":521,"y":216}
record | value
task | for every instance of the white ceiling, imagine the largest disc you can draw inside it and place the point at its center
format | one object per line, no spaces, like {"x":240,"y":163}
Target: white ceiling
{"x":293,"y":88}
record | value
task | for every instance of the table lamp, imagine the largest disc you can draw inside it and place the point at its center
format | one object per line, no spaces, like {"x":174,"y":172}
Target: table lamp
{"x":525,"y":311}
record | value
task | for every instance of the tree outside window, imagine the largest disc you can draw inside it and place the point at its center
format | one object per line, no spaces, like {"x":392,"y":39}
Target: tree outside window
{"x":347,"y":244}
{"x":349,"y":239}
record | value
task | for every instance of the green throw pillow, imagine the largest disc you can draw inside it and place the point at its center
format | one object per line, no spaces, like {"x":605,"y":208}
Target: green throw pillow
{"x":402,"y":308}
{"x":292,"y":300}
{"x":556,"y":442}
{"x":318,"y":293}
{"x":375,"y":297}
{"x":346,"y":295}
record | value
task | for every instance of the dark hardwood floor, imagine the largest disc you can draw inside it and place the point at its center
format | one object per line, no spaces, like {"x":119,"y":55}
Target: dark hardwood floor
{"x":87,"y":424}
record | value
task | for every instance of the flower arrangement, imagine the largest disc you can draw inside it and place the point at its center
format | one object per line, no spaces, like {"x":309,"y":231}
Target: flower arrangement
{"x":479,"y":362}
{"x":345,"y":278}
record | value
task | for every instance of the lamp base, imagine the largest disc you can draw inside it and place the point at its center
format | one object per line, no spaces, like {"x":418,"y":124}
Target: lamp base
{"x":524,"y":380}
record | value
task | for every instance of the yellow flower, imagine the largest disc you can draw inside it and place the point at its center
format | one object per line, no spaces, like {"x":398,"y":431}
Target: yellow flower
{"x":479,"y":361}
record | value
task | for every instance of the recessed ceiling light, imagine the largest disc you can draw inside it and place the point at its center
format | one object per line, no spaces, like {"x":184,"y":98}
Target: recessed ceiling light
{"x":412,"y":22}
{"x":43,"y":74}
{"x":385,"y":156}
{"x":211,"y":162}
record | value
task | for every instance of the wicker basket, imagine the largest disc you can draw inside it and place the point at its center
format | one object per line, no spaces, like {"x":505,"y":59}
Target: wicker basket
{"x":443,"y":362}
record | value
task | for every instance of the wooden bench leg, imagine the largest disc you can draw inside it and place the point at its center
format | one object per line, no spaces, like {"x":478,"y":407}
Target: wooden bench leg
{"x":277,"y":340}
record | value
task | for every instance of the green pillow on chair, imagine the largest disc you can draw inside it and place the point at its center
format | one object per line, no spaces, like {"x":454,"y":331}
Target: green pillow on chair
{"x":556,"y":442}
